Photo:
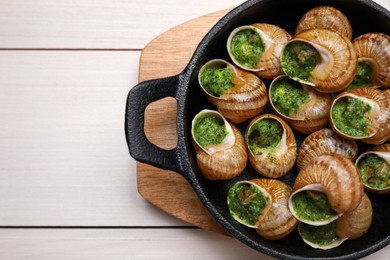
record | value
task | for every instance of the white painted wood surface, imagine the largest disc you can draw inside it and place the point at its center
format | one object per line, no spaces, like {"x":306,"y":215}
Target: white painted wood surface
{"x":63,"y":157}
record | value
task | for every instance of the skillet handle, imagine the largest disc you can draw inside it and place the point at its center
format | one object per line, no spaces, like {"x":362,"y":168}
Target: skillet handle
{"x":139,"y":146}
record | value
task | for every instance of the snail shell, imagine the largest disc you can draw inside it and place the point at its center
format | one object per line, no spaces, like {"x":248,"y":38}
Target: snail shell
{"x":221,"y":161}
{"x":354,"y":224}
{"x":311,"y":115}
{"x":378,"y":117}
{"x":325,"y":141}
{"x":268,"y":64}
{"x":373,"y":50}
{"x":248,"y":203}
{"x":351,"y":225}
{"x":325,"y":17}
{"x":247,"y":97}
{"x":273,"y":162}
{"x":383,"y":152}
{"x":338,"y":178}
{"x":336,"y":60}
{"x":278,"y":222}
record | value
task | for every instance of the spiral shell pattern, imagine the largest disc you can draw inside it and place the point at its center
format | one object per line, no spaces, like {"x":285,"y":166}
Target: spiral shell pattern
{"x":339,"y":178}
{"x":278,"y":222}
{"x":325,"y":141}
{"x":325,"y":17}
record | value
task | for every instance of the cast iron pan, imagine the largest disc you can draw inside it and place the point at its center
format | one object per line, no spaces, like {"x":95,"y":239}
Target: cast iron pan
{"x":364,"y":15}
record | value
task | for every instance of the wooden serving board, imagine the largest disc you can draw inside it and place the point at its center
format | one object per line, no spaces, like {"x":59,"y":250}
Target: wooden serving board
{"x":165,"y":56}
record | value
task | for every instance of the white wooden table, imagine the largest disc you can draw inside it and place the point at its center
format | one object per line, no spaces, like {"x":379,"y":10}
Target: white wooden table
{"x":67,"y":183}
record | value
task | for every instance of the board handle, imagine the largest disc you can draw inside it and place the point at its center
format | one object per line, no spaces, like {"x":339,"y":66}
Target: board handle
{"x":138,"y":99}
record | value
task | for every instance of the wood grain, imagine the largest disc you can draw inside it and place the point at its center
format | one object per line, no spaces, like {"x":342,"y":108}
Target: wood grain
{"x":169,"y":53}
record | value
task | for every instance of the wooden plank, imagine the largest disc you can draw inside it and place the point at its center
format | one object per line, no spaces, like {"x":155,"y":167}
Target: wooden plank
{"x":128,"y":244}
{"x":64,"y":159}
{"x":95,"y":24}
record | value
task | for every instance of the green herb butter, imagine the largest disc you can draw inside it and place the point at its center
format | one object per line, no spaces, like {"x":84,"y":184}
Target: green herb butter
{"x":209,"y":130}
{"x":375,"y":171}
{"x":217,"y":80}
{"x":246,"y":202}
{"x":363,"y":76}
{"x":299,"y":59}
{"x":312,"y":206}
{"x":319,"y":235}
{"x":247,"y":47}
{"x":288,"y":96}
{"x":265,"y":133}
{"x":350,"y":116}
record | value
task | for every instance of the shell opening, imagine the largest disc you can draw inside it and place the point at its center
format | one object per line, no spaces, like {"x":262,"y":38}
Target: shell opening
{"x":321,"y":237}
{"x":364,"y":76}
{"x":287,"y":96}
{"x":216,"y":77}
{"x":303,"y":60}
{"x":264,"y":134}
{"x":212,"y":132}
{"x":310,"y":205}
{"x":374,"y":167}
{"x":248,"y":203}
{"x":352,"y":116}
{"x":246,"y":44}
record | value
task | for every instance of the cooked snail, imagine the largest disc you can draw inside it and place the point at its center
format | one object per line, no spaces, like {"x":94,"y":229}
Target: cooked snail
{"x":325,"y":188}
{"x":257,"y":48}
{"x":271,"y":144}
{"x":264,"y":201}
{"x":362,"y":114}
{"x":220,"y":147}
{"x":325,"y":17}
{"x":325,"y":141}
{"x":238,"y":95}
{"x":320,"y":58}
{"x":373,"y":50}
{"x":305,"y":109}
{"x":350,"y":225}
{"x":374,"y":167}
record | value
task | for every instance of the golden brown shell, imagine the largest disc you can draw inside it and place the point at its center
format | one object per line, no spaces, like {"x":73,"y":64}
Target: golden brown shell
{"x":245,"y":100}
{"x":275,"y":162}
{"x":325,"y":17}
{"x":274,"y":37}
{"x":382,"y":151}
{"x":225,"y":163}
{"x":354,"y":224}
{"x":379,"y":117}
{"x":270,"y":60}
{"x":339,"y":60}
{"x":375,"y":49}
{"x":311,"y":116}
{"x":325,"y":141}
{"x":278,"y":221}
{"x":339,"y":178}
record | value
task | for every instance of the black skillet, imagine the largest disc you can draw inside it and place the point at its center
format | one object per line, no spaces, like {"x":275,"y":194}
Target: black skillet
{"x":364,"y":15}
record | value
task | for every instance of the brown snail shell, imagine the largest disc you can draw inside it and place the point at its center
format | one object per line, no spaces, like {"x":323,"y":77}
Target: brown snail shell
{"x":350,"y":225}
{"x":354,"y":224}
{"x":245,"y":100}
{"x":245,"y":196}
{"x":325,"y":17}
{"x":382,"y":151}
{"x":337,"y":176}
{"x":338,"y":64}
{"x":224,"y":161}
{"x":278,"y":161}
{"x":374,"y":48}
{"x":325,"y":141}
{"x":312,"y":115}
{"x":274,"y":37}
{"x":278,"y":222}
{"x":378,"y":130}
